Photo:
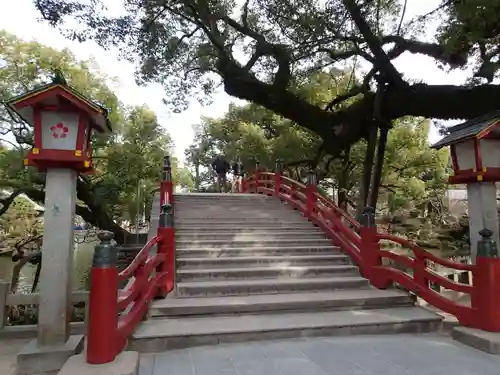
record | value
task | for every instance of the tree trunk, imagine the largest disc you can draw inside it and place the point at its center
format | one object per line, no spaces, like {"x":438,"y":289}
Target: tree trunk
{"x":367,"y":171}
{"x":343,"y":180}
{"x":197,"y":177}
{"x":379,"y":164}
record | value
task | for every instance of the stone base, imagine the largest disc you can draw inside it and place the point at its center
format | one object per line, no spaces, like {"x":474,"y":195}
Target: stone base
{"x":126,"y":363}
{"x":35,"y":360}
{"x":488,"y":342}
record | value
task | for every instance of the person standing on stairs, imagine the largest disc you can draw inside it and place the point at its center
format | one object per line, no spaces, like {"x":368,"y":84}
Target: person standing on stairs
{"x":221,"y":167}
{"x":237,"y":168}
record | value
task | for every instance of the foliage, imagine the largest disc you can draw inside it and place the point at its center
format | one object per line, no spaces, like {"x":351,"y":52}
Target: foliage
{"x":260,"y":50}
{"x":413,"y":174}
{"x":131,"y":157}
{"x":412,"y":171}
{"x":132,"y":167}
{"x":20,"y":227}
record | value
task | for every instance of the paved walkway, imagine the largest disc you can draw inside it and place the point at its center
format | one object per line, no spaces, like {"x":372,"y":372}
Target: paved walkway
{"x":8,"y":351}
{"x":356,"y":355}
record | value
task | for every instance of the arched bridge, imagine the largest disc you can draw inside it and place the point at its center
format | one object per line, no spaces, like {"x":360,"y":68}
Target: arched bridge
{"x":277,"y":260}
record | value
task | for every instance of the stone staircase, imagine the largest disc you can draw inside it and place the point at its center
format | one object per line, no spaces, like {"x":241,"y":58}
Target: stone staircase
{"x":251,"y":268}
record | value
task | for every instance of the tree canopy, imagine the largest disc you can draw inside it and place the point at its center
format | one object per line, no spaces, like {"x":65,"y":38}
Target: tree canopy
{"x":128,"y":163}
{"x":413,"y":173}
{"x":20,"y":226}
{"x":260,"y":50}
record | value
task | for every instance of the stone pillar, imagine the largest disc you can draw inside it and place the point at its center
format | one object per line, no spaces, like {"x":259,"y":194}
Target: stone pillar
{"x":54,"y":313}
{"x":482,"y":207}
{"x":54,"y":345}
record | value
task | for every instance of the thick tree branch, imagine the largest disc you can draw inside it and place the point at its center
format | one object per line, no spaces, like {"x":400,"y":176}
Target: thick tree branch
{"x":382,"y":60}
{"x":264,"y":48}
{"x":433,"y":50}
{"x":401,"y":45}
{"x":415,"y":100}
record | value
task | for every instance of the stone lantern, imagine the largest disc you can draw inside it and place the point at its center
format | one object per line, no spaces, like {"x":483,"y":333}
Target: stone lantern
{"x":475,"y":158}
{"x":63,"y":122}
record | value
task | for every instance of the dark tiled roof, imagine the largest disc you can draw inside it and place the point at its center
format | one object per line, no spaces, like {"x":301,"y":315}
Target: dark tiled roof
{"x":468,"y":129}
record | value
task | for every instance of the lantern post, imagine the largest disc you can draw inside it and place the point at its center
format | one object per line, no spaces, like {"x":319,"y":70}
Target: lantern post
{"x":475,"y":159}
{"x":63,"y":121}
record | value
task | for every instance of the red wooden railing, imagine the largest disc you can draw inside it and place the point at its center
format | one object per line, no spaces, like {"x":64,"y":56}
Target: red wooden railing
{"x":114,"y":314}
{"x":362,"y":244}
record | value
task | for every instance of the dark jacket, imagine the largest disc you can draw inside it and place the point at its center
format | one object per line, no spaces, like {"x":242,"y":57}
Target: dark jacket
{"x":220,"y":165}
{"x":237,"y":169}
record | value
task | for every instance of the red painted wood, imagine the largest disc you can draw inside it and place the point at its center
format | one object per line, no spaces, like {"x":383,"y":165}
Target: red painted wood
{"x":107,"y":334}
{"x":166,"y":247}
{"x":166,"y":192}
{"x":486,"y":295}
{"x":103,"y":316}
{"x":454,"y":161}
{"x":109,"y":327}
{"x":362,"y":245}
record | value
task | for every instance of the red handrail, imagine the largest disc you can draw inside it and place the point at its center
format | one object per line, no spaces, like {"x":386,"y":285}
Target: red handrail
{"x":115,"y":314}
{"x":362,"y":244}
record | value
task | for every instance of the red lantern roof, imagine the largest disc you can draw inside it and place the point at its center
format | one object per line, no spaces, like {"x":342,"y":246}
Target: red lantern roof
{"x":58,"y":94}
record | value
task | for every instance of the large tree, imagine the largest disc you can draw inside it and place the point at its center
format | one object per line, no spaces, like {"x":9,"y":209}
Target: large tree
{"x":259,"y":50}
{"x":413,"y":174}
{"x":128,"y":164}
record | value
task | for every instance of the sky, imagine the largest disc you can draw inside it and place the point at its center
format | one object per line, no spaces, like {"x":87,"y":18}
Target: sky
{"x":20,"y":18}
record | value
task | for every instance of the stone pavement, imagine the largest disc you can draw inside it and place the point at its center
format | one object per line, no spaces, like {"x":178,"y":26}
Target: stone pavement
{"x":356,"y":355}
{"x":8,"y":351}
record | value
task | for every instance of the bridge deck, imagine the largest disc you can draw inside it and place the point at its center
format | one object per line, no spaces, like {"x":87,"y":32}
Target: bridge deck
{"x":8,"y":351}
{"x":429,"y":354}
{"x":356,"y":355}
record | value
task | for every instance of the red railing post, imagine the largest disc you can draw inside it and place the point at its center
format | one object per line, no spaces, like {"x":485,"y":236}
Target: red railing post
{"x":311,"y":189}
{"x":257,"y":176}
{"x":166,"y":245}
{"x":103,"y":343}
{"x":370,"y":246}
{"x":166,"y":185}
{"x":277,"y":179}
{"x":485,"y":299}
{"x":244,"y":183}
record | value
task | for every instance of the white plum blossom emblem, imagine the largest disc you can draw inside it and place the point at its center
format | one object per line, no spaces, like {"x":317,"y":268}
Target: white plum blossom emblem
{"x":59,"y":131}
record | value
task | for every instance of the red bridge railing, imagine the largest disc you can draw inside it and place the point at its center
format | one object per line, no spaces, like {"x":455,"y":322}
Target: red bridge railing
{"x":114,"y":314}
{"x":361,"y":241}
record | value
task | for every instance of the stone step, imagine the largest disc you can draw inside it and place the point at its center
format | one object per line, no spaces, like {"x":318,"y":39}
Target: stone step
{"x":239,"y":225}
{"x":158,"y":335}
{"x":231,"y":202}
{"x":248,"y":203}
{"x":184,"y":230}
{"x":253,"y":261}
{"x":212,"y":252}
{"x":269,"y":272}
{"x":249,"y":236}
{"x":241,"y":212}
{"x":231,"y":205}
{"x":261,"y":303}
{"x":228,"y":201}
{"x":241,"y":216}
{"x":253,"y":243}
{"x":219,"y":196}
{"x":243,"y":222}
{"x":237,"y":287}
